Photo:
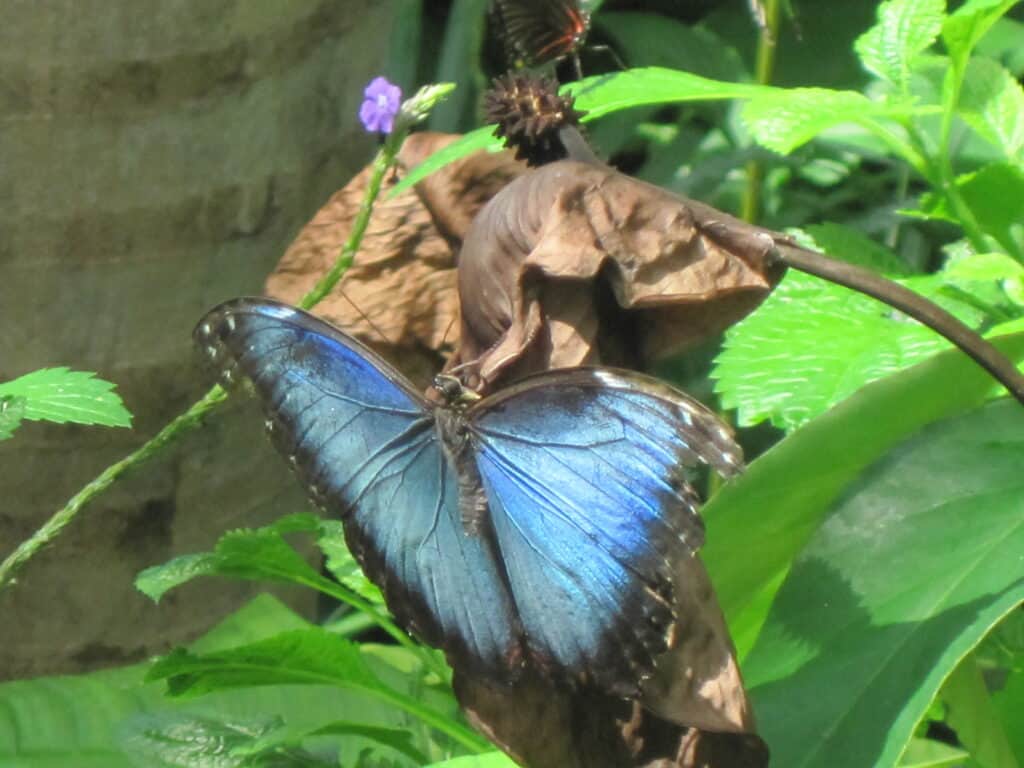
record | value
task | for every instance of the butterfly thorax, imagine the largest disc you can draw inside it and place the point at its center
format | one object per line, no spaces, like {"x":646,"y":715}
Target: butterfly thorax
{"x":456,"y":441}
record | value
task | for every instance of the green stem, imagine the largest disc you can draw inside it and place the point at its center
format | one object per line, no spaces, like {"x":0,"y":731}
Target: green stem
{"x":341,"y":593}
{"x":947,"y":179}
{"x":52,"y":527}
{"x":763,"y":69}
{"x":193,"y":417}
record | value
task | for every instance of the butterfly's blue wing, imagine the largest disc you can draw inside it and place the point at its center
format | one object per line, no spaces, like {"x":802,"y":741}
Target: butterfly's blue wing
{"x":583,"y":474}
{"x":365,"y":445}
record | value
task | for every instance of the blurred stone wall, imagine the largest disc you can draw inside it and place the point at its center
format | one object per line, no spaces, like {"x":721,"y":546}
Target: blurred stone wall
{"x":156,"y":157}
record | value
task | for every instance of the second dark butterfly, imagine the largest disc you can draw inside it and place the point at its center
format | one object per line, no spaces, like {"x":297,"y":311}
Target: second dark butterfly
{"x":540,"y":31}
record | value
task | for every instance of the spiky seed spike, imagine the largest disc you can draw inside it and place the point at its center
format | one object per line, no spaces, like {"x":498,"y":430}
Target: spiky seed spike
{"x":529,"y":113}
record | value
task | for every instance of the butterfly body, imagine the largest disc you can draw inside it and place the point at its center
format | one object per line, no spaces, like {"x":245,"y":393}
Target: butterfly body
{"x":539,"y":525}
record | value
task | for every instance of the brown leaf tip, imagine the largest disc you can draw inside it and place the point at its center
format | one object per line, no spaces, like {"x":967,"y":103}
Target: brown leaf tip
{"x":529,"y":114}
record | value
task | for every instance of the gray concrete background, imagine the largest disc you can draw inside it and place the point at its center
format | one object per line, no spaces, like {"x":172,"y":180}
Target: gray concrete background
{"x":156,"y":156}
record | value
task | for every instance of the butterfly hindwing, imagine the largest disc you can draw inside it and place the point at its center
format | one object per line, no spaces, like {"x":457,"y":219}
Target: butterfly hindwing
{"x":364,"y":444}
{"x":583,"y":472}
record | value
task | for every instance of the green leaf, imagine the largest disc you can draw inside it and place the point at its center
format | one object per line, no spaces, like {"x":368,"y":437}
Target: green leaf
{"x":992,"y":103}
{"x":61,"y":395}
{"x":55,"y":722}
{"x":811,"y":345}
{"x":599,"y":96}
{"x":490,"y":760}
{"x":1009,"y":703}
{"x":259,"y":553}
{"x":962,"y":30}
{"x":12,"y":411}
{"x":787,"y":119}
{"x":924,"y":753}
{"x":341,"y":563}
{"x":968,"y":272}
{"x":995,"y":196}
{"x":969,"y":712}
{"x":905,"y":28}
{"x":604,"y":94}
{"x":306,"y":656}
{"x":474,"y":141}
{"x":910,"y":570}
{"x":394,"y":738}
{"x":188,"y":741}
{"x":757,"y":523}
{"x":297,"y":656}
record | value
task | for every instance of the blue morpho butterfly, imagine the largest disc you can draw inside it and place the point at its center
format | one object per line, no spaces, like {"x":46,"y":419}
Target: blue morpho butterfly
{"x":539,"y":525}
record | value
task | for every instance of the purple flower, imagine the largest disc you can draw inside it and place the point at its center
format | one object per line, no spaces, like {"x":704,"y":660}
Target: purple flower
{"x":380,"y":105}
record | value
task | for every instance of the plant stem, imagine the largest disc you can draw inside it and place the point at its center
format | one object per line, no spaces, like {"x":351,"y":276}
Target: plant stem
{"x":763,"y":69}
{"x":345,"y":595}
{"x":947,"y":187}
{"x":52,"y":527}
{"x":910,"y":303}
{"x":193,"y":417}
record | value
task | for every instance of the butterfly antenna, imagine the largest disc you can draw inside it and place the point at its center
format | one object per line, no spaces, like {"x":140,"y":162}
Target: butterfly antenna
{"x":450,"y":324}
{"x":365,"y":317}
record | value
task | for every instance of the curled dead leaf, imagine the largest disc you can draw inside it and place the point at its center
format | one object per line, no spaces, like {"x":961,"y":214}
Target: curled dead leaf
{"x":575,"y":263}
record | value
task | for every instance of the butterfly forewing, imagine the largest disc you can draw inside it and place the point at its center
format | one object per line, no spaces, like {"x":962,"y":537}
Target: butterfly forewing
{"x":583,"y":472}
{"x":364,"y":444}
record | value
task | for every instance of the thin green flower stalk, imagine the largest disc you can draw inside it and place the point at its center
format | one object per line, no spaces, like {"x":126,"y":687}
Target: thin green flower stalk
{"x":413,"y":111}
{"x":764,"y":68}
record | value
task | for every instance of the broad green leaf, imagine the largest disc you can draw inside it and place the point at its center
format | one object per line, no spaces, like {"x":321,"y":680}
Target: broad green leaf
{"x":79,"y":721}
{"x":1003,"y":648}
{"x":259,"y":553}
{"x":1008,"y":702}
{"x":969,"y":712}
{"x":992,"y":103}
{"x":973,"y":271}
{"x":61,"y":395}
{"x":757,"y":523}
{"x":12,"y":411}
{"x":297,"y":656}
{"x":307,"y":656}
{"x":467,"y":144}
{"x":604,"y":94}
{"x":911,"y":568}
{"x":490,"y":760}
{"x":904,"y":29}
{"x":811,"y":345}
{"x":1002,"y":42}
{"x":924,"y":753}
{"x":962,"y":30}
{"x":995,"y":196}
{"x":182,"y":740}
{"x":787,"y":119}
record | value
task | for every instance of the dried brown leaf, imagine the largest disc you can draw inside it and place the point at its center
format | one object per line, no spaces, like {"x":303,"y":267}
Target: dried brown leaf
{"x":539,"y":258}
{"x":399,"y":295}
